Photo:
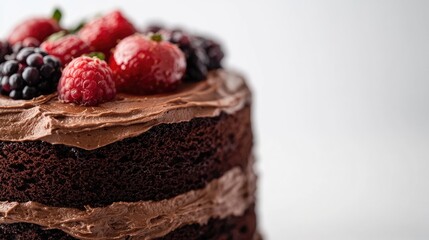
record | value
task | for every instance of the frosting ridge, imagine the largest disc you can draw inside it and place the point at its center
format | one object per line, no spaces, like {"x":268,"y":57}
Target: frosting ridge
{"x":47,"y":119}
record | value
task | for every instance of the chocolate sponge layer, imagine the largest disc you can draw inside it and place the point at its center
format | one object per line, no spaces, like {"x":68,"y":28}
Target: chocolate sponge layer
{"x":231,"y":228}
{"x":167,"y":160}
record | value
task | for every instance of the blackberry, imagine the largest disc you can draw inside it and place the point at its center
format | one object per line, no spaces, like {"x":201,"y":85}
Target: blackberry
{"x":213,"y":50}
{"x":201,"y":54}
{"x":196,"y":59}
{"x":29,"y":73}
{"x":16,"y":48}
{"x":5,"y":49}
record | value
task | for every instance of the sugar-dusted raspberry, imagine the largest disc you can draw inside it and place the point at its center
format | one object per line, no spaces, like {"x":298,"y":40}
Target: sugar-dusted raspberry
{"x":86,"y":81}
{"x":145,"y":65}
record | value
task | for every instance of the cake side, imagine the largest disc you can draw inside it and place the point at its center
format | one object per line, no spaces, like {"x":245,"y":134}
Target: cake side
{"x":167,"y":161}
{"x":47,"y":119}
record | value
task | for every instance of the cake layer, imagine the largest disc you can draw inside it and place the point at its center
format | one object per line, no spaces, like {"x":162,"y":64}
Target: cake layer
{"x":229,"y":195}
{"x":167,"y":160}
{"x":230,"y":228}
{"x":47,"y":119}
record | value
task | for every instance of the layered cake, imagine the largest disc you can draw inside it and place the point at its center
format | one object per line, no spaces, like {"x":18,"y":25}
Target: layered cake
{"x":152,"y":141}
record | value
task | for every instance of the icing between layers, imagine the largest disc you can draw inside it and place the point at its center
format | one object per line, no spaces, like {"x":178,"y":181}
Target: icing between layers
{"x":229,"y":195}
{"x":47,"y":119}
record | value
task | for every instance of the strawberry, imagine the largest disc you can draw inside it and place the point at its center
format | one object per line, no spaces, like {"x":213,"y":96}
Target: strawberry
{"x":38,"y":28}
{"x":66,"y":48}
{"x":103,"y":33}
{"x":147,"y":65}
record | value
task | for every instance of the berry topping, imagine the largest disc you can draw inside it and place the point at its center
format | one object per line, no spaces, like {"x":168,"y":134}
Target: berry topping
{"x":66,"y":48}
{"x":87,"y":81}
{"x":35,"y":60}
{"x":10,"y":67}
{"x":196,"y":58}
{"x":202,"y":54}
{"x":103,"y":33}
{"x":35,"y":30}
{"x":147,"y":65}
{"x":5,"y":49}
{"x":30,"y":73}
{"x":214,"y":52}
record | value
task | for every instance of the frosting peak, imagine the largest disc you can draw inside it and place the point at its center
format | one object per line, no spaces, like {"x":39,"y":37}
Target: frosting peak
{"x":47,"y":119}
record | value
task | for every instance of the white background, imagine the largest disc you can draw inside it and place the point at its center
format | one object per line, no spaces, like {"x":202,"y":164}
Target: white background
{"x":341,"y":111}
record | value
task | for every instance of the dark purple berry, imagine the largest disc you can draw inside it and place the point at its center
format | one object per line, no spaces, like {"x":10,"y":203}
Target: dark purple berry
{"x":38,"y":50}
{"x":5,"y":87}
{"x":23,"y":54}
{"x":15,"y":94}
{"x":51,"y":60}
{"x":201,"y":54}
{"x":5,"y":49}
{"x":46,"y":71}
{"x":29,"y":72}
{"x":213,"y":51}
{"x":16,"y":82}
{"x":29,"y":92}
{"x":21,"y":68}
{"x":196,"y":59}
{"x":31,"y":76}
{"x":45,"y":87}
{"x":35,"y":60}
{"x":56,"y":77}
{"x":17,"y":47}
{"x":10,"y":67}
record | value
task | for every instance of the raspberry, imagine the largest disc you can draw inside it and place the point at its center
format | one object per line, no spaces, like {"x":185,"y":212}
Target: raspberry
{"x":29,"y":73}
{"x":102,"y":34}
{"x":86,"y":81}
{"x":147,"y":65}
{"x":66,"y":48}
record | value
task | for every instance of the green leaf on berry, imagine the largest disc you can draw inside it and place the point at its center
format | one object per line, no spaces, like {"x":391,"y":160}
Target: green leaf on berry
{"x":57,"y":15}
{"x":57,"y":36}
{"x":98,"y":55}
{"x":157,"y":37}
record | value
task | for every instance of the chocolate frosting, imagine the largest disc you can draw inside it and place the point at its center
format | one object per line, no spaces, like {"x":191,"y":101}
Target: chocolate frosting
{"x":229,"y":195}
{"x":45,"y":118}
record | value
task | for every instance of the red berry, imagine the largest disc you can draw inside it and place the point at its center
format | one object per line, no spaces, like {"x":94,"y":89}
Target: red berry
{"x":86,"y":81}
{"x":103,"y":33}
{"x":142,"y":65}
{"x":66,"y":48}
{"x":37,"y":28}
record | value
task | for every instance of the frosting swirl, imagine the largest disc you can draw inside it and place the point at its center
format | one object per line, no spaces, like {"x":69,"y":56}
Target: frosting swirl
{"x":47,"y":119}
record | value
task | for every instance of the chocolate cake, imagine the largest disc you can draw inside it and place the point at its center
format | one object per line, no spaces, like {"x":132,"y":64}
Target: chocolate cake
{"x":174,"y":165}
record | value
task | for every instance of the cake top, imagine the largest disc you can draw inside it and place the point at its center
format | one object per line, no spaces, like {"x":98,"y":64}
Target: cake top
{"x":46,"y":118}
{"x":87,"y":65}
{"x":105,"y":80}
